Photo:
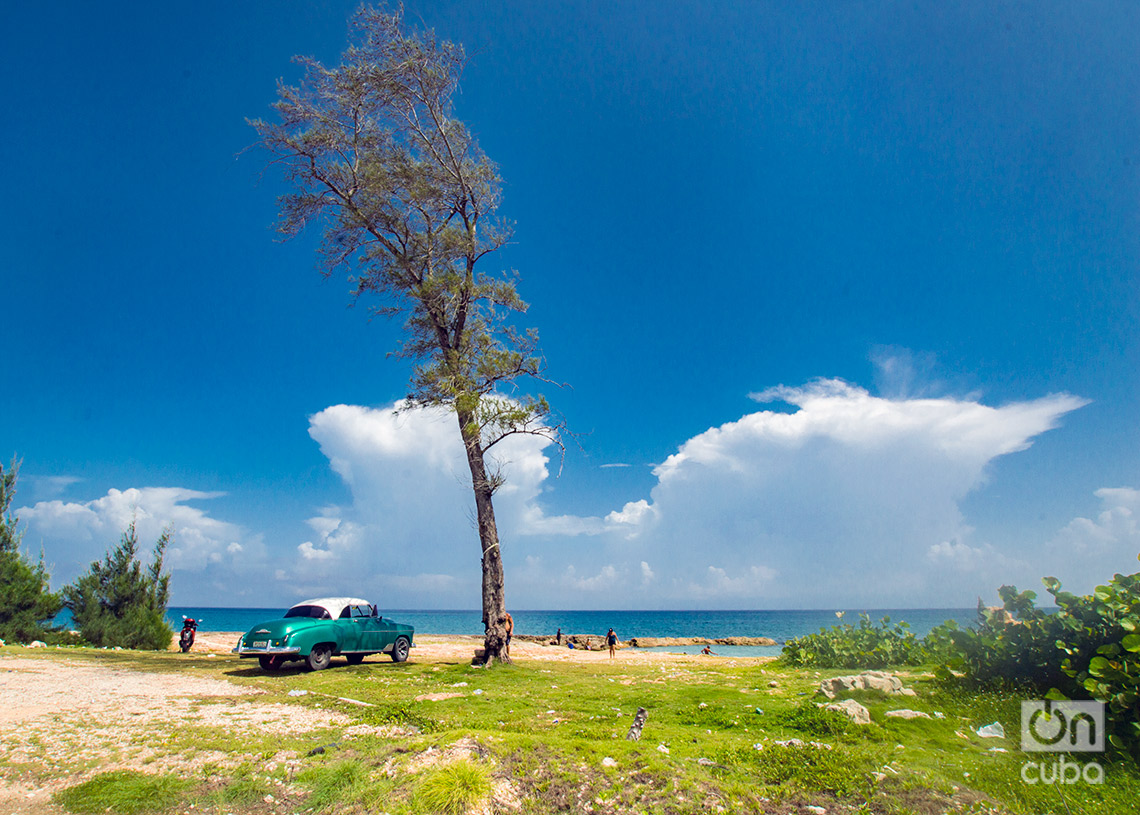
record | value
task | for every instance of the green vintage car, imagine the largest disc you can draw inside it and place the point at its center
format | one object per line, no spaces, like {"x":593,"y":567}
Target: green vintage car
{"x":317,"y":630}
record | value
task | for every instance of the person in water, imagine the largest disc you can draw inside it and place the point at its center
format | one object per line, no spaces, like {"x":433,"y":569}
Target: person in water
{"x":708,"y":652}
{"x":611,"y":641}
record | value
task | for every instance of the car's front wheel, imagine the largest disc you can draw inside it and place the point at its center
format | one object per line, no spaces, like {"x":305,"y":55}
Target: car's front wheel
{"x":320,"y":657}
{"x":400,"y":649}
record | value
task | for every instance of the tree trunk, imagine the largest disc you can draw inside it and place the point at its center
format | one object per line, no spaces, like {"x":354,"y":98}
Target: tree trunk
{"x":494,"y":602}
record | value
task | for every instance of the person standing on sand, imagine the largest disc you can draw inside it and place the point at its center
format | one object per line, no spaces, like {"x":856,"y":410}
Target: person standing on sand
{"x":611,"y":641}
{"x":558,"y":637}
{"x":509,"y":622}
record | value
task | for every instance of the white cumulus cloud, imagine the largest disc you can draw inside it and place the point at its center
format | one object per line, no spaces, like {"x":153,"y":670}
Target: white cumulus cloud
{"x":219,"y":554}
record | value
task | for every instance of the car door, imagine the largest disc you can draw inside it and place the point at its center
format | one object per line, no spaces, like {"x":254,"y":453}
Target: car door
{"x":380,"y":633}
{"x":348,"y":631}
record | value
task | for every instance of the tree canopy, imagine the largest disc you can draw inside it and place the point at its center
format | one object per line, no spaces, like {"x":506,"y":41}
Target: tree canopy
{"x":117,"y":602}
{"x":26,"y":603}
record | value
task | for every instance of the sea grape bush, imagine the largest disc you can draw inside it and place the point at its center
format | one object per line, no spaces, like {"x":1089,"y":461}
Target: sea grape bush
{"x":866,"y":645}
{"x":1088,"y":649}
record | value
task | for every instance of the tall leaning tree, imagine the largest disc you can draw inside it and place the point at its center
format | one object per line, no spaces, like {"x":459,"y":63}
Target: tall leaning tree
{"x":406,"y":201}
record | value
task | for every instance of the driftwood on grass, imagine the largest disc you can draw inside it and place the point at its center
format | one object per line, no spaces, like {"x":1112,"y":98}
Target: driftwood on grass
{"x":634,"y":733}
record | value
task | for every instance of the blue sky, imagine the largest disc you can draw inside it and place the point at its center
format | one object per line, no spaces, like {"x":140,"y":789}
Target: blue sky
{"x":846,"y":296}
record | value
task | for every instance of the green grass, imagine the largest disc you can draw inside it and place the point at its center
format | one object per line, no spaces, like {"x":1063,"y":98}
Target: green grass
{"x":453,"y":788}
{"x":123,"y":792}
{"x":547,"y":728}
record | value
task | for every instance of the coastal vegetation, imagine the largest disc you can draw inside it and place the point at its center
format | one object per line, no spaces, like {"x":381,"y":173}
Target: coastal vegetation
{"x":118,"y":603}
{"x":546,"y":736}
{"x":26,"y":602}
{"x":407,"y":200}
{"x":1088,"y":648}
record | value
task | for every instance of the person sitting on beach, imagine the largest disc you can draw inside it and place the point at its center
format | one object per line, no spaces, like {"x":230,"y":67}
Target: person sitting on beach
{"x":611,"y":641}
{"x":708,"y":651}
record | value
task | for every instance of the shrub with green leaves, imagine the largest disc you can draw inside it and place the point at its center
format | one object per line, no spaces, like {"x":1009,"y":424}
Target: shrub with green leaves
{"x":118,"y":603}
{"x":1088,"y":649}
{"x":866,"y":645}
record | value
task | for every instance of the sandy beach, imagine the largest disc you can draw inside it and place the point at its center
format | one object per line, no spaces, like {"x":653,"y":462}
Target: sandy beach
{"x":455,"y":648}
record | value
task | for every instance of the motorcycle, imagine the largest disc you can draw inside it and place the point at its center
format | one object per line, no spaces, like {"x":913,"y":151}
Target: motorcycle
{"x":189,"y":628}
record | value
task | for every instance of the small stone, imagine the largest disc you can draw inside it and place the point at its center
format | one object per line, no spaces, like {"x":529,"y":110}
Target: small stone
{"x":661,"y":748}
{"x":773,"y":683}
{"x":906,"y":713}
{"x":706,"y":762}
{"x":816,"y":810}
{"x":851,"y":709}
{"x":609,"y":762}
{"x":703,"y":705}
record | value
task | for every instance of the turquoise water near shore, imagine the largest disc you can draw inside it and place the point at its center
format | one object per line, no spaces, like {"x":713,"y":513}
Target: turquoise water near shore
{"x":779,"y":625}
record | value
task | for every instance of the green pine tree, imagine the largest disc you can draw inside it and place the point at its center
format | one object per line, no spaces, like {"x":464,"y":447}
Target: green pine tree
{"x":117,"y":602}
{"x":26,"y":603}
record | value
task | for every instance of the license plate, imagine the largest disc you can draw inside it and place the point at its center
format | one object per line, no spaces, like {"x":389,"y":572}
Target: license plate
{"x":261,"y":643}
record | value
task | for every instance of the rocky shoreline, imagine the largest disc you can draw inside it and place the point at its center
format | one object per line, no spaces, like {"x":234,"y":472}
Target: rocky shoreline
{"x":599,"y":640}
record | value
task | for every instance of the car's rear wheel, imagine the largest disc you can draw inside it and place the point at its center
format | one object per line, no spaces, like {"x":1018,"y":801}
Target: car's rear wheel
{"x":400,"y":649}
{"x":320,"y":657}
{"x":269,"y":663}
{"x":354,"y":659}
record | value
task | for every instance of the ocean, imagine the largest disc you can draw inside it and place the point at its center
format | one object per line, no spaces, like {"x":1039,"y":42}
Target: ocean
{"x":779,"y":625}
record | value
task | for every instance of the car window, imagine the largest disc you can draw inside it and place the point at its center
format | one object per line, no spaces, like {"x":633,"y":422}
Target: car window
{"x":316,"y":612}
{"x":362,"y":611}
{"x":346,"y":612}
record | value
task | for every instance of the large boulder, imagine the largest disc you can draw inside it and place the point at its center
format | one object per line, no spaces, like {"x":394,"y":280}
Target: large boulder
{"x":868,"y":680}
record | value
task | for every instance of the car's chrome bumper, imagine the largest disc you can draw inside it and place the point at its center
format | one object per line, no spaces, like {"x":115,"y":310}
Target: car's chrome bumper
{"x":247,"y":651}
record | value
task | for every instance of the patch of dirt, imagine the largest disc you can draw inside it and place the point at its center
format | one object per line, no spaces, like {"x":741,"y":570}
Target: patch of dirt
{"x":59,"y":715}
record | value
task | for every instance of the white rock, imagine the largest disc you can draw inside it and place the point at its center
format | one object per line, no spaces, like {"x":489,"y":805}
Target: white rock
{"x":608,"y":762}
{"x":907,"y":714}
{"x":816,"y":810}
{"x":868,"y":680}
{"x":851,"y":709}
{"x":37,"y":644}
{"x":661,"y":748}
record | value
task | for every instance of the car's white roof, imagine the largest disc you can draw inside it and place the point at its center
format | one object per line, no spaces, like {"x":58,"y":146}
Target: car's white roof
{"x":333,"y":605}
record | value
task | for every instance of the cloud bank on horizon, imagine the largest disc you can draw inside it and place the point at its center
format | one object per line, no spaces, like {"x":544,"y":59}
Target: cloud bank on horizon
{"x":844,"y":500}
